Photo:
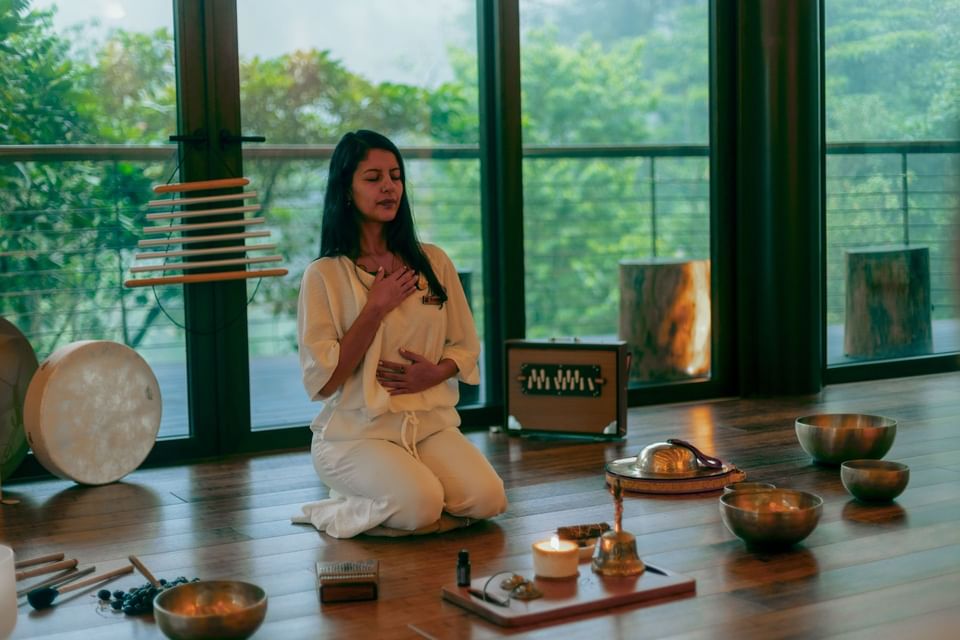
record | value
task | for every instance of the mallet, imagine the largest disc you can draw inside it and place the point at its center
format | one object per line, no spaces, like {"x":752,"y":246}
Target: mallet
{"x":135,"y":561}
{"x":52,"y":557}
{"x":43,"y":598}
{"x":58,"y":580}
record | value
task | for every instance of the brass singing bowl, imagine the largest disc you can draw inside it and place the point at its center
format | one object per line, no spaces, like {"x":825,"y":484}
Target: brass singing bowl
{"x":748,"y":486}
{"x":210,"y":609}
{"x":666,"y":459}
{"x":771,"y":519}
{"x":874,"y":480}
{"x":833,"y":438}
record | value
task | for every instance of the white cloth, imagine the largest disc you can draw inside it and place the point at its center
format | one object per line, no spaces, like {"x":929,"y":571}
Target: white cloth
{"x":391,"y":462}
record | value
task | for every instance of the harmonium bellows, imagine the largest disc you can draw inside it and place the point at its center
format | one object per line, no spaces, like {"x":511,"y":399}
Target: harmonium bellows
{"x":566,"y":387}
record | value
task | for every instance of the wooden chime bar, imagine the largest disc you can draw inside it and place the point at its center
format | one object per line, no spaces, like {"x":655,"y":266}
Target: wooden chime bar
{"x":234,"y":248}
{"x":206,"y":277}
{"x":201,"y":185}
{"x":159,"y":242}
{"x":185,"y":266}
{"x":246,"y":195}
{"x":214,"y":236}
{"x":203,"y":212}
{"x":249,"y":222}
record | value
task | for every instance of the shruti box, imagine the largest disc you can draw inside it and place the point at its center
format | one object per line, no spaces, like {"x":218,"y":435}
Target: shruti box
{"x":566,"y":387}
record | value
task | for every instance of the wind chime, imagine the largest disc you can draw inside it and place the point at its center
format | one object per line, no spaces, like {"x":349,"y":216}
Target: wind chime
{"x":212,"y":254}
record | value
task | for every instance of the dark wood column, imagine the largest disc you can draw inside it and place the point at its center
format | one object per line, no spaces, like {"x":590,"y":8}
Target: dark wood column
{"x":779,"y":195}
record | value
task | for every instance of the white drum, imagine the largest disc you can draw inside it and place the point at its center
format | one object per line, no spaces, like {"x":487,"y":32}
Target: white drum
{"x":92,"y":411}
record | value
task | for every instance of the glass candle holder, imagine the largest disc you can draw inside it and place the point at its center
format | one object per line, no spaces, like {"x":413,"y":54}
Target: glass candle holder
{"x":8,"y":592}
{"x":556,"y":558}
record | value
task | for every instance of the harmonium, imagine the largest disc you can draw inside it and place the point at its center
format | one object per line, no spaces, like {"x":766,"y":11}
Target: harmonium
{"x":566,"y":388}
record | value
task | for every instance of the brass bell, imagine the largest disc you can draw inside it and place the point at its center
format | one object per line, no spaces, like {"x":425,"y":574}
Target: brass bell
{"x":616,"y":555}
{"x":616,"y":552}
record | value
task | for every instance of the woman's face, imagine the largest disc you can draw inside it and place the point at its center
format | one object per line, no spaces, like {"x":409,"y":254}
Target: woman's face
{"x":377,"y":186}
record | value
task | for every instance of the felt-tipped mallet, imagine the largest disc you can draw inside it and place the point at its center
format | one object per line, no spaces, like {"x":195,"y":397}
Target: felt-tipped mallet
{"x":43,"y":598}
{"x":58,"y":580}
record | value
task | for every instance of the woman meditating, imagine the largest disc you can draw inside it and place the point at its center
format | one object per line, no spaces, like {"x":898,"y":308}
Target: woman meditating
{"x":384,"y":333}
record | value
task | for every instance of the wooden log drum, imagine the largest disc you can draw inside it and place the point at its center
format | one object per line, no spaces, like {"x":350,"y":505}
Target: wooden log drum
{"x":888,"y":302}
{"x":92,"y":411}
{"x":665,"y":317}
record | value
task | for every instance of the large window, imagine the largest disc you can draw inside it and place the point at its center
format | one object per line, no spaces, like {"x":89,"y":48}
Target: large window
{"x":311,"y":72}
{"x":616,"y":181}
{"x":893,"y":108}
{"x":72,"y":211}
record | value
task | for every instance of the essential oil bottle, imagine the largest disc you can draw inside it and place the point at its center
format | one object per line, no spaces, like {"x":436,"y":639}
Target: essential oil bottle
{"x":463,"y":568}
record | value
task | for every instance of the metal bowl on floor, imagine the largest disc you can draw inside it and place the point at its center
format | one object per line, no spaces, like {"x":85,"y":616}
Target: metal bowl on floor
{"x":774,"y":518}
{"x":748,"y":486}
{"x":833,"y":438}
{"x":210,"y":609}
{"x":874,"y":480}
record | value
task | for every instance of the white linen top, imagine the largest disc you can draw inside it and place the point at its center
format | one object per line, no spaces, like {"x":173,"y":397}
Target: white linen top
{"x":332,"y":294}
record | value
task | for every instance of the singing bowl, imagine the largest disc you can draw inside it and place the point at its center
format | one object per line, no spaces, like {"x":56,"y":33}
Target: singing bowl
{"x":748,"y":486}
{"x":773,"y":518}
{"x":874,"y":480}
{"x":833,"y":438}
{"x":210,"y":609}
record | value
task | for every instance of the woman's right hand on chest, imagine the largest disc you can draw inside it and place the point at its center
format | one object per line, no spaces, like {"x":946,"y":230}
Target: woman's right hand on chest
{"x":388,"y":291}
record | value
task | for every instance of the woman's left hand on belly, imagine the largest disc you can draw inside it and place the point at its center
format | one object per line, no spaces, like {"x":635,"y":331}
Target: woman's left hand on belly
{"x":419,"y":374}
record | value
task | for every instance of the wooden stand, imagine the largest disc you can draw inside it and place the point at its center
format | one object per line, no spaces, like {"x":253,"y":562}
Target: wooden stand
{"x":888,"y":302}
{"x":665,"y":317}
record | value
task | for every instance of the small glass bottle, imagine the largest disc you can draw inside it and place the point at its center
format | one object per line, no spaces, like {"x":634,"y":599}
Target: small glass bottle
{"x":463,"y":568}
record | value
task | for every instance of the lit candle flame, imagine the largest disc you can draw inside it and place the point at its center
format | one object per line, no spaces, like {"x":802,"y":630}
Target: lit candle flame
{"x":555,"y":542}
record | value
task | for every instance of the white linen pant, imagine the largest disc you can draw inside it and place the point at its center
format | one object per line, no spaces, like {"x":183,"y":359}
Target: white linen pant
{"x":406,"y":493}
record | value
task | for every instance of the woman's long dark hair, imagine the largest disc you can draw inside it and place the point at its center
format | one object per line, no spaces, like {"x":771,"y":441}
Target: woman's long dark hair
{"x":340,"y":230}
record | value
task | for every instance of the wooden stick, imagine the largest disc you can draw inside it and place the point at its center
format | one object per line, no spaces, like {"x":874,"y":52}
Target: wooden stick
{"x":235,"y":248}
{"x":200,"y":264}
{"x":50,"y":568}
{"x":200,"y":185}
{"x":176,"y":202}
{"x":60,"y":579}
{"x":50,"y":557}
{"x":222,"y":211}
{"x":206,"y":277}
{"x":224,"y":236}
{"x":205,"y":225}
{"x":98,"y":578}
{"x":135,"y":561}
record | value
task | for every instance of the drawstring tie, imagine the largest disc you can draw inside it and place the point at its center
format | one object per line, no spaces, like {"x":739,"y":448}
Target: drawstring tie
{"x":409,"y":426}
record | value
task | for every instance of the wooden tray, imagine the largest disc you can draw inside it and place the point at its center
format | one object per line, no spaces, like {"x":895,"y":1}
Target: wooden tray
{"x":562,"y":598}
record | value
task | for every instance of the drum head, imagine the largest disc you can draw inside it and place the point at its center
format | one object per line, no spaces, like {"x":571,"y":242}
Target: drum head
{"x":18,"y":363}
{"x":92,"y":412}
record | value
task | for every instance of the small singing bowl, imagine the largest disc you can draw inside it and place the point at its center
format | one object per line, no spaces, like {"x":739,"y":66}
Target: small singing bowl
{"x":774,"y":518}
{"x":748,"y":486}
{"x":210,"y":609}
{"x":874,"y":480}
{"x":833,"y":438}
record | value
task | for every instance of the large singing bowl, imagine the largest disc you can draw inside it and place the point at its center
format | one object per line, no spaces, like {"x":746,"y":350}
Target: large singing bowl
{"x":833,"y":438}
{"x":775,"y":518}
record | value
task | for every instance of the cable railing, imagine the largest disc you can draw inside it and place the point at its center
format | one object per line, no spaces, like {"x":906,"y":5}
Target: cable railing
{"x":913,"y":205}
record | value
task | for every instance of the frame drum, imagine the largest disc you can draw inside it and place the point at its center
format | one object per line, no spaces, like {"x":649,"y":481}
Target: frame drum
{"x":18,"y":363}
{"x":92,"y":411}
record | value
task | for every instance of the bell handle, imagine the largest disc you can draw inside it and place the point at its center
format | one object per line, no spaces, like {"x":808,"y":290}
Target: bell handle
{"x":702,"y":458}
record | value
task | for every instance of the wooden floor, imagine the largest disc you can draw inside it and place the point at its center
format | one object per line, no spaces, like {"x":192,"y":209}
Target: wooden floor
{"x":865,"y":572}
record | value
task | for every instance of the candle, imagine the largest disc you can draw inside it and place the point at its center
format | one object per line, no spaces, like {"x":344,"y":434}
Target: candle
{"x":556,"y":558}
